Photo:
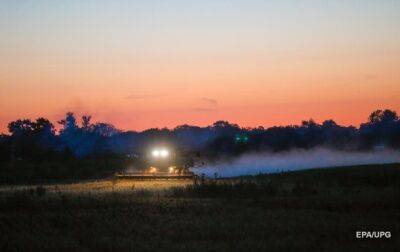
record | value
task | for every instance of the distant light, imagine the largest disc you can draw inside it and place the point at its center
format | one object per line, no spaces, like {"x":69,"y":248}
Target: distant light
{"x":164,"y":153}
{"x":160,"y":153}
{"x":152,"y":170}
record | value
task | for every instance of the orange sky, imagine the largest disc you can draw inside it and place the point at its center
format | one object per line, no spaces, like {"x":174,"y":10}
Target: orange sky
{"x":197,"y":63}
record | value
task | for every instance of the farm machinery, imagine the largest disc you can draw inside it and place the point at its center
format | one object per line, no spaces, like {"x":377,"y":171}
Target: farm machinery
{"x":159,"y":164}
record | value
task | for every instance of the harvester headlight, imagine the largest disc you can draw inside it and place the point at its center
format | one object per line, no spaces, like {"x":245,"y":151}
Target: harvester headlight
{"x":160,"y":153}
{"x":164,"y":153}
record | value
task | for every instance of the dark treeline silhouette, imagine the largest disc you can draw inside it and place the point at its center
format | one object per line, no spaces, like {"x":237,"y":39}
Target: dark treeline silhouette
{"x":35,"y":145}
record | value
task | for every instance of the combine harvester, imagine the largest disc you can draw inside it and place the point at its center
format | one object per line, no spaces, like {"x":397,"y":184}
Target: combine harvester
{"x":160,"y":164}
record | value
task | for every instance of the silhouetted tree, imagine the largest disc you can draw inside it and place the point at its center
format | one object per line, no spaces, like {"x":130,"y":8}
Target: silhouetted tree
{"x":382,"y":128}
{"x":31,"y":139}
{"x":69,"y":123}
{"x":104,"y":129}
{"x":338,"y":136}
{"x":86,"y":122}
{"x":385,"y":116}
{"x":21,"y":126}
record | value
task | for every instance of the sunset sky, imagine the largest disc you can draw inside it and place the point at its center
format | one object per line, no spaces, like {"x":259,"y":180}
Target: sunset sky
{"x":141,"y":64}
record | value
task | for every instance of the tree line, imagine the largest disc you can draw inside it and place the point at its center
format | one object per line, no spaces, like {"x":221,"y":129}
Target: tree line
{"x":35,"y":152}
{"x":38,"y":139}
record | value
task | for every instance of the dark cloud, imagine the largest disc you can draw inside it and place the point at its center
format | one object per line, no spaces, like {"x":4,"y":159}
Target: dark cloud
{"x":210,"y":101}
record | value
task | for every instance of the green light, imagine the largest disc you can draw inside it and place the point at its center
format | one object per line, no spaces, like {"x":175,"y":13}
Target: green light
{"x":241,"y":139}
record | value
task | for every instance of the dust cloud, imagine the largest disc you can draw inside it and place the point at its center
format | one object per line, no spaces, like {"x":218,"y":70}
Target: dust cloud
{"x":252,"y":164}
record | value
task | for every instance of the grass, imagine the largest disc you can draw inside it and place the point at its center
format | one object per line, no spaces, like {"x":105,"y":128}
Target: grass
{"x":26,"y":171}
{"x":315,"y":210}
{"x":102,"y":186}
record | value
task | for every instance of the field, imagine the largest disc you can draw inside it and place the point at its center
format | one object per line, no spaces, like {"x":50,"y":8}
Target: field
{"x":317,"y":209}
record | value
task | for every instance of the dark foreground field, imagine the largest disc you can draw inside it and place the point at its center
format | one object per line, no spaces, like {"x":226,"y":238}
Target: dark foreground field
{"x":317,"y":209}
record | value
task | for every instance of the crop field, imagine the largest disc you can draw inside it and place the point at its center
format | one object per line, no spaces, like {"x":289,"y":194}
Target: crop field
{"x":103,"y":186}
{"x":317,"y":209}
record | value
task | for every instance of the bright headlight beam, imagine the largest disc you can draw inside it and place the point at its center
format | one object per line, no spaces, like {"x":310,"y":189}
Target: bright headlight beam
{"x":156,"y":153}
{"x":164,"y":153}
{"x":160,"y":153}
